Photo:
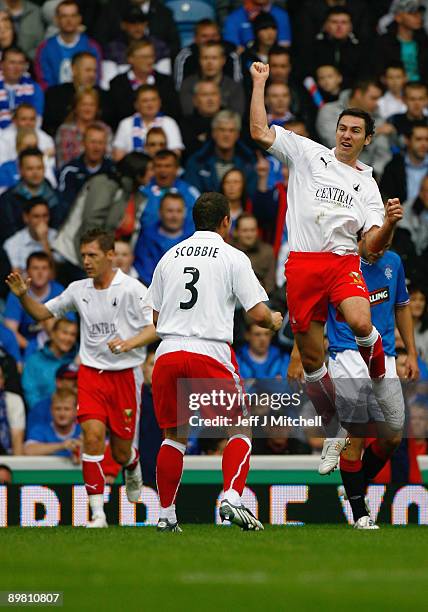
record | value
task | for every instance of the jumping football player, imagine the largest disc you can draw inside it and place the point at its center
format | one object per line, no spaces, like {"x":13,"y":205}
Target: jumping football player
{"x":193,"y":294}
{"x":389,"y":301}
{"x":109,"y":303}
{"x":332,"y":199}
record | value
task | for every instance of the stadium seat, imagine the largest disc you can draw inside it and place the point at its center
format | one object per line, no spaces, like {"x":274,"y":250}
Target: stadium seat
{"x":187,"y":13}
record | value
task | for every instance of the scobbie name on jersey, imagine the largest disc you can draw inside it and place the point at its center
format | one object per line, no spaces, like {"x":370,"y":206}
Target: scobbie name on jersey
{"x":196,"y":251}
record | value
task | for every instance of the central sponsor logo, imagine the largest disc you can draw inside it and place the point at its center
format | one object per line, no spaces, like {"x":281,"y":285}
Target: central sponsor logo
{"x":379,"y":296}
{"x":334,"y":195}
{"x":102,"y":329}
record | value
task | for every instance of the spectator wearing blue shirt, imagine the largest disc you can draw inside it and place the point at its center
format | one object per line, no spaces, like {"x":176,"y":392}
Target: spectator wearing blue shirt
{"x":16,"y":86}
{"x":258,"y":358}
{"x":238,"y":27}
{"x":9,"y":343}
{"x":54,"y":55}
{"x":61,"y":437}
{"x":155,"y":240}
{"x":65,"y":378}
{"x":39,"y":269}
{"x":166,"y":180}
{"x":38,"y":379}
{"x":224,"y":151}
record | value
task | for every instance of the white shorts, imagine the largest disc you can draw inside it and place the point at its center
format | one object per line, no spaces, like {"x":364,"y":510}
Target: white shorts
{"x":355,"y":400}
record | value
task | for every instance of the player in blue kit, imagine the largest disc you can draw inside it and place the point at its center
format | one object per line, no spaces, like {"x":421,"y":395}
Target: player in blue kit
{"x":389,"y":302}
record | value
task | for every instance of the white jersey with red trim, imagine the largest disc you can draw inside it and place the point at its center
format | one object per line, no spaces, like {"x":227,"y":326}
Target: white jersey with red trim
{"x":329,"y":202}
{"x":105,"y":314}
{"x":196,"y":286}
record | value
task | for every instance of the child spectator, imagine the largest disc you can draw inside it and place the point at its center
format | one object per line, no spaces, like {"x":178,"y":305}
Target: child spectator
{"x":329,"y":80}
{"x":124,"y":258}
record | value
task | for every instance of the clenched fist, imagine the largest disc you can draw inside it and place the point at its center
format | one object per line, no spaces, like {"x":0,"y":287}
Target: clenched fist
{"x":259,"y":72}
{"x":393,"y":211}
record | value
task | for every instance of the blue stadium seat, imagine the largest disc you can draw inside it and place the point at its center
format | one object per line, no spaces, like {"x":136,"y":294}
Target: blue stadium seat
{"x":187,"y":13}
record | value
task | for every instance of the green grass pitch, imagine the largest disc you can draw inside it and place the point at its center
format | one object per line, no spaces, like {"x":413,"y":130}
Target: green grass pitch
{"x":220,"y":568}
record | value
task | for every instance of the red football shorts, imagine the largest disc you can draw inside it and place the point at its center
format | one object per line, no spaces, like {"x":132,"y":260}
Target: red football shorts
{"x":112,"y":397}
{"x":185,"y":365}
{"x":314,"y":280}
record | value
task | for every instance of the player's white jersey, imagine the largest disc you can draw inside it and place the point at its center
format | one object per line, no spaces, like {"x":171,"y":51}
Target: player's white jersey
{"x":196,"y":286}
{"x":105,"y":314}
{"x":329,"y":202}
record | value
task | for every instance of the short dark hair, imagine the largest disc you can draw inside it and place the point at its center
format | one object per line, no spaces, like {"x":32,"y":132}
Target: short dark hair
{"x":104,"y":238}
{"x":165,"y":153}
{"x":214,"y":43}
{"x":203,"y":23}
{"x":415,"y":125}
{"x":62,"y":321}
{"x":67,"y":3}
{"x":81,"y":55}
{"x":396,"y":64}
{"x":133,"y":165}
{"x":174,"y":196}
{"x":31,"y":152}
{"x":337,"y":10}
{"x":243,"y":216}
{"x":13,"y":51}
{"x":363,"y":85}
{"x":30,"y":204}
{"x":23,"y":106}
{"x":357,"y":112}
{"x":209,"y":211}
{"x":278,"y":50}
{"x":38,"y":256}
{"x":414,"y":85}
{"x":145,"y":88}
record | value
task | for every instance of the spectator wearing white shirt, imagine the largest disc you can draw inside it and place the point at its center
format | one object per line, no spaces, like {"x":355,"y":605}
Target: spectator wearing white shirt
{"x":12,"y":421}
{"x":34,"y":237}
{"x":24,"y":116}
{"x":132,"y":131}
{"x":394,"y":78}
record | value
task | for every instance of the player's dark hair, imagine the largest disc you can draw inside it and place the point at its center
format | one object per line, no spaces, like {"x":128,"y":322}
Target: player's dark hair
{"x":38,"y":256}
{"x":3,"y":466}
{"x":209,"y":211}
{"x":104,"y":238}
{"x":31,"y":152}
{"x":30,"y":204}
{"x":357,"y":112}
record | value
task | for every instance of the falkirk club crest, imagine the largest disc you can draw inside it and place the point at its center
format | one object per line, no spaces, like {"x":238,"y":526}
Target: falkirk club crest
{"x":127,"y":413}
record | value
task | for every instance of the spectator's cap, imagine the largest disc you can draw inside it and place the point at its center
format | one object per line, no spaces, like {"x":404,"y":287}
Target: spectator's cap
{"x":264,"y":21}
{"x":134,"y":15}
{"x":68,"y":371}
{"x":407,"y":6}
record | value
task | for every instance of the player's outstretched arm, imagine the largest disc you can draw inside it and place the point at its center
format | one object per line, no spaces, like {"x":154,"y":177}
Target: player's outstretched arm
{"x":146,"y":336}
{"x":377,"y":238}
{"x":264,"y":317}
{"x":20,"y":287}
{"x":259,"y":128}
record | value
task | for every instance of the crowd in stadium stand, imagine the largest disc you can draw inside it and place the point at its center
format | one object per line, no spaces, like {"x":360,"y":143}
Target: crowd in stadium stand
{"x":119,"y":113}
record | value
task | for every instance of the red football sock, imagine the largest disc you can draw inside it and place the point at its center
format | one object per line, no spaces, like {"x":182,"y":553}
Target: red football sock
{"x":371,"y":350}
{"x":169,"y":468}
{"x":236,"y":463}
{"x":93,"y":474}
{"x":320,"y":390}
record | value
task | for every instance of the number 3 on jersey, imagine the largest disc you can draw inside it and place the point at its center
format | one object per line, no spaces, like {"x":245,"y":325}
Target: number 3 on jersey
{"x":190,"y":286}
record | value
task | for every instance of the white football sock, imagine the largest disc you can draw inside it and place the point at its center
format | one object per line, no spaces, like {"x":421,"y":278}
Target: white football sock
{"x":96,"y":503}
{"x":233,"y":497}
{"x":168,"y":513}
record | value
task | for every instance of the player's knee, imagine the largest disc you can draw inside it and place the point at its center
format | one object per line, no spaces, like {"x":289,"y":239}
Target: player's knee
{"x":312,"y":361}
{"x":93,"y":442}
{"x":391,"y":443}
{"x":121,"y":455}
